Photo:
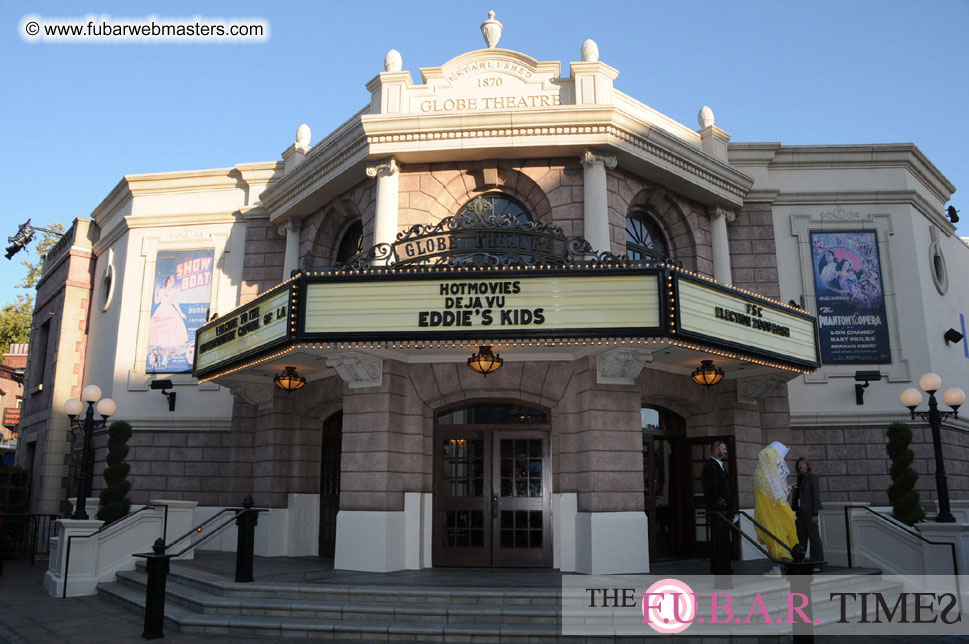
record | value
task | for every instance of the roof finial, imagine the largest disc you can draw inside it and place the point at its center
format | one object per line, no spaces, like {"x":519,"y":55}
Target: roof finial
{"x":491,"y":30}
{"x":392,"y":61}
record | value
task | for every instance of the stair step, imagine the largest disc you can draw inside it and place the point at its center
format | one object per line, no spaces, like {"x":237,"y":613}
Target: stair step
{"x":310,"y":608}
{"x":379,"y":627}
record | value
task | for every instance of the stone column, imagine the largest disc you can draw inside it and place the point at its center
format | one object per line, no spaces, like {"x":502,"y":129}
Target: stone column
{"x":291,"y":258}
{"x":719,"y":217}
{"x":385,"y":221}
{"x":596,"y":199}
{"x":602,"y":462}
{"x":382,"y":468}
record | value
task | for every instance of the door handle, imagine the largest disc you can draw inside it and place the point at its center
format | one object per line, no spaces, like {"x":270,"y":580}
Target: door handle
{"x":494,"y":506}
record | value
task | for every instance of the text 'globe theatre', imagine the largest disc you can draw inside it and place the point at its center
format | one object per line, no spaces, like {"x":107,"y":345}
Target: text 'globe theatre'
{"x":499,"y":317}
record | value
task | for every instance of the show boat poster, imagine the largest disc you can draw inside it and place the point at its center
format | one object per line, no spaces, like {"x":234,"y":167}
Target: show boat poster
{"x":852,"y":324}
{"x":179,"y":306}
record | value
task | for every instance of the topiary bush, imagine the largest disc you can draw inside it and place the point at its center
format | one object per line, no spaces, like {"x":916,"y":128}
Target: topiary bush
{"x":114,"y":502}
{"x":902,"y":493}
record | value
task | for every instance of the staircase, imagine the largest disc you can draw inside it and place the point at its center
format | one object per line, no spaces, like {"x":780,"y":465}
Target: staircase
{"x":295,"y":600}
{"x":359,"y":612}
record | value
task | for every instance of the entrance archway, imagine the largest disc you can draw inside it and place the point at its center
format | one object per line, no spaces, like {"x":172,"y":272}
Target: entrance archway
{"x":492,"y":485}
{"x":330,"y":454}
{"x":666,"y":483}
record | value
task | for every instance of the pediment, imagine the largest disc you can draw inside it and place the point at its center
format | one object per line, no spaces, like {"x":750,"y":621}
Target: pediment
{"x":487,"y":80}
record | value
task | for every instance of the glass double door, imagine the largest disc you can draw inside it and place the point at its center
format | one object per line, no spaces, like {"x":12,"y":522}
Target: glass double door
{"x":492,"y":497}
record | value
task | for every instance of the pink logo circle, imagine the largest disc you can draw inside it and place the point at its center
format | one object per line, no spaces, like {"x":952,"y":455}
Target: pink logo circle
{"x":669,"y":606}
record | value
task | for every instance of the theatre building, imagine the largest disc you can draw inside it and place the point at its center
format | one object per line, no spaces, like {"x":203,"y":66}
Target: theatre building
{"x":497,"y":318}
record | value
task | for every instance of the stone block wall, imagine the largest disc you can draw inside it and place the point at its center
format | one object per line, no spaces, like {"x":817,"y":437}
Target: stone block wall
{"x":601,"y":442}
{"x":753,"y":256}
{"x":262,"y":265}
{"x":684,"y":223}
{"x":551,"y":189}
{"x":63,"y":302}
{"x":852,"y":462}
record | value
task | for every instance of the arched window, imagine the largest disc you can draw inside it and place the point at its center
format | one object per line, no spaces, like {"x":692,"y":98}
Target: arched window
{"x":644,"y":240}
{"x":498,"y":204}
{"x":351,"y":242}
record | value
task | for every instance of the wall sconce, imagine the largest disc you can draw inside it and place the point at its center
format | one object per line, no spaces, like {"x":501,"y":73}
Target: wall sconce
{"x":289,"y":380}
{"x":865,"y":377}
{"x":485,"y":362}
{"x":164,"y":385}
{"x":707,"y":374}
{"x":952,"y":336}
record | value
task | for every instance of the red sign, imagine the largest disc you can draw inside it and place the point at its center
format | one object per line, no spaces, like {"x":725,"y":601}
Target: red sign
{"x":11,"y":416}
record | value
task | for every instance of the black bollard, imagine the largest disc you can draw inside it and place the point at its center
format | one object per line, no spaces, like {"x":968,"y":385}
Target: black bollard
{"x":246,"y":522}
{"x":157,"y":566}
{"x":800,"y":577}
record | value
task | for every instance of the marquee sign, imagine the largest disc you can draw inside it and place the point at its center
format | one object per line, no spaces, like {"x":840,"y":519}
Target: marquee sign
{"x":486,"y":303}
{"x":258,"y":325}
{"x":506,"y":306}
{"x":725,"y":316}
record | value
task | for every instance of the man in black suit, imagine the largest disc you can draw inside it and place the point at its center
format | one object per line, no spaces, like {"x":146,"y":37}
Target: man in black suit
{"x":718,"y":498}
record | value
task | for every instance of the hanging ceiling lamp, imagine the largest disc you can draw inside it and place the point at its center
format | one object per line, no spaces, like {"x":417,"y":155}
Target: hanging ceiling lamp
{"x":707,"y":374}
{"x":289,"y":380}
{"x":485,"y":362}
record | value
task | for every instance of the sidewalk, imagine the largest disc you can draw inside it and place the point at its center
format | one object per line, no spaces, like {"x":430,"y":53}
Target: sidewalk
{"x":28,"y":615}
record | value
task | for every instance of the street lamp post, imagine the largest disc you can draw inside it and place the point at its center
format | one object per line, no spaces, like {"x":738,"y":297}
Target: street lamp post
{"x":73,"y":407}
{"x":954,"y":398}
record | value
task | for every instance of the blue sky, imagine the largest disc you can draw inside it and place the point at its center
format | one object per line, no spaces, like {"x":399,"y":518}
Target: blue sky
{"x":77,"y":117}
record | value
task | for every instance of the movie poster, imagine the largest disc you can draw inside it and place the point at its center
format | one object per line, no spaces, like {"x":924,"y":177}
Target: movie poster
{"x":180,"y":304}
{"x":852,"y":325}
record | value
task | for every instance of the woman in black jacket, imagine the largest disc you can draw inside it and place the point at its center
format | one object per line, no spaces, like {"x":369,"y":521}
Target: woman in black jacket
{"x":807,"y":505}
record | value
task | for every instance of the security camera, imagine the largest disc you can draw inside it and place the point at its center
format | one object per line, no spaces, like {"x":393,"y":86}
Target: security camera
{"x":165,"y":385}
{"x":865,"y":377}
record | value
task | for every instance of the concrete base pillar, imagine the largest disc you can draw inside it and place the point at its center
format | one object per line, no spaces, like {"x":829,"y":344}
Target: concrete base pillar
{"x":376,"y":541}
{"x":82,"y":576}
{"x":611,"y":543}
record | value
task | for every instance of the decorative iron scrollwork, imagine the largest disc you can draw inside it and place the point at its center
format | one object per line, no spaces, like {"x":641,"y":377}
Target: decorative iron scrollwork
{"x":477,"y":238}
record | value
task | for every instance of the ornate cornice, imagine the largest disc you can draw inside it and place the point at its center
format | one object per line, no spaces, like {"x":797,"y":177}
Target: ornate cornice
{"x":358,"y":370}
{"x":750,"y":390}
{"x":621,"y":366}
{"x":260,"y":396}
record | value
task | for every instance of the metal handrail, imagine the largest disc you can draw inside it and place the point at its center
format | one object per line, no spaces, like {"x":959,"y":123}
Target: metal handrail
{"x":32,"y":523}
{"x":70,"y":539}
{"x":898,"y":525}
{"x":238,"y":513}
{"x":757,"y":545}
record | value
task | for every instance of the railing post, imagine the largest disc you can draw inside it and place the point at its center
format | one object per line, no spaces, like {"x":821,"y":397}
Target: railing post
{"x":157,"y":565}
{"x":246,"y":521}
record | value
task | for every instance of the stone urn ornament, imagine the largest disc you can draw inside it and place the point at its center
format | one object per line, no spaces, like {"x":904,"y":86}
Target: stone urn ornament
{"x":393,"y":61}
{"x":491,"y":30}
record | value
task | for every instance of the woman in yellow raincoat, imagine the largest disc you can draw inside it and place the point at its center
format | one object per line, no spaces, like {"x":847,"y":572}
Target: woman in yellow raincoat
{"x":771,"y":509}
